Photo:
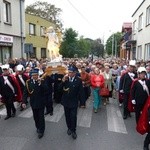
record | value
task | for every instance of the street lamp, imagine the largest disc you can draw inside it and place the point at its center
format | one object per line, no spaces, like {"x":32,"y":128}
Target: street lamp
{"x":112,"y":45}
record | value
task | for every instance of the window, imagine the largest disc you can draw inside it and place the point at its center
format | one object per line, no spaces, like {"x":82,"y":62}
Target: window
{"x":33,"y":55}
{"x":42,"y":30}
{"x":32,"y":29}
{"x":148,"y":16}
{"x":140,"y":27}
{"x":139,"y":52}
{"x":134,"y":27}
{"x":147,"y":51}
{"x":43,"y":52}
{"x":7,"y":12}
{"x":134,"y":31}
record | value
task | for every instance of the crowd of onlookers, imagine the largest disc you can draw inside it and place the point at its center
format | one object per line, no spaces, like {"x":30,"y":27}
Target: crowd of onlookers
{"x":104,"y":78}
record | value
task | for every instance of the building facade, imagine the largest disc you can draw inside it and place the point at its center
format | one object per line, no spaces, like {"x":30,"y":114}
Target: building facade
{"x":141,"y":30}
{"x":36,"y":42}
{"x":12,"y":29}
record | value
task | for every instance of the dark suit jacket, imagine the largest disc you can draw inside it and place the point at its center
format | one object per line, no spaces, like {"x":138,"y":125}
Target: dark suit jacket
{"x":71,"y":92}
{"x":25,"y":78}
{"x":36,"y":94}
{"x":125,"y":83}
{"x":138,"y":94}
{"x":49,"y":82}
{"x":5,"y":90}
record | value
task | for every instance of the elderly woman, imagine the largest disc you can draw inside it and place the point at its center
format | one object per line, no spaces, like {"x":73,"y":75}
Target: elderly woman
{"x":108,"y":83}
{"x":85,"y":77}
{"x":97,"y":82}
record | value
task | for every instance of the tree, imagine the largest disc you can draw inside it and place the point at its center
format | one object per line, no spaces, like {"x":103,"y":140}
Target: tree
{"x":84,"y":47}
{"x":46,"y":11}
{"x":115,"y":38}
{"x":97,"y":48}
{"x":69,"y":45}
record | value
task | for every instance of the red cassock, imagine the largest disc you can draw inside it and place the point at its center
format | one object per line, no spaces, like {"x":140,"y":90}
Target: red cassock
{"x":130,"y":105}
{"x":143,"y":125}
{"x":18,"y":96}
{"x":121,"y":97}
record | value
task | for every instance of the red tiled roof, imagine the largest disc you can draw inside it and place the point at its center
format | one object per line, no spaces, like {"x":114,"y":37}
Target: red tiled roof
{"x":127,"y":25}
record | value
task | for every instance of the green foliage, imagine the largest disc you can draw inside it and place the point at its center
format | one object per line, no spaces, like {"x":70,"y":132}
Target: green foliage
{"x":84,"y":47}
{"x":46,"y":11}
{"x":115,"y":38}
{"x":74,"y":47}
{"x":69,"y":46}
{"x":97,"y":48}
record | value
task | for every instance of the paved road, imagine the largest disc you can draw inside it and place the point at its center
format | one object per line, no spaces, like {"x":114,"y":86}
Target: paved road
{"x":105,"y":130}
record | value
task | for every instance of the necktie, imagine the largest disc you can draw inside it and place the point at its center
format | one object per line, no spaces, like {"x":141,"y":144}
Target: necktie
{"x":34,"y":81}
{"x":70,"y":79}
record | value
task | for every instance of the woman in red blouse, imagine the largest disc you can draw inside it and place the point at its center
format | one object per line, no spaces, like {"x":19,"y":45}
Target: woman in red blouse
{"x":97,"y":82}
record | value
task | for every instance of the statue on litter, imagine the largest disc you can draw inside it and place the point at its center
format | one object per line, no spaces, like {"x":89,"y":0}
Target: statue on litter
{"x":53,"y":45}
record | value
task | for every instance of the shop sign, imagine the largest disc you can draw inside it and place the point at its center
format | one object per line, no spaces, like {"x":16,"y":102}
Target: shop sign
{"x":6,"y":39}
{"x":5,"y":44}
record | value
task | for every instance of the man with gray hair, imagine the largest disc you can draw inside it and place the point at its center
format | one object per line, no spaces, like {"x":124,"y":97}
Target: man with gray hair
{"x":148,"y":72}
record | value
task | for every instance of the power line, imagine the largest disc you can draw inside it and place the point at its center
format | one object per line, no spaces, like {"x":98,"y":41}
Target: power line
{"x":81,"y":14}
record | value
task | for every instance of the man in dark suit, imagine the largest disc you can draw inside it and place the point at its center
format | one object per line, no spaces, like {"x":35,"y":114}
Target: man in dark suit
{"x":139,"y":95}
{"x":57,"y":93}
{"x":125,"y":87}
{"x":9,"y":90}
{"x":72,"y":89}
{"x":35,"y":89}
{"x":140,"y":91}
{"x":148,"y":72}
{"x":21,"y":77}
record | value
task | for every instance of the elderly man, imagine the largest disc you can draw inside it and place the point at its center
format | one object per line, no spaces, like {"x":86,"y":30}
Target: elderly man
{"x":21,"y":77}
{"x":125,"y":86}
{"x":9,"y":90}
{"x":148,"y":72}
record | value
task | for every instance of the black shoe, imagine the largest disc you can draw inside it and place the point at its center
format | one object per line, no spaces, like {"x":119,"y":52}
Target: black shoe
{"x":40,"y":135}
{"x":74,"y":135}
{"x":125,"y":117}
{"x":145,"y":148}
{"x":38,"y":131}
{"x":69,"y":132}
{"x":7,"y":117}
{"x":13,"y":114}
{"x":51,"y":113}
{"x":46,"y":113}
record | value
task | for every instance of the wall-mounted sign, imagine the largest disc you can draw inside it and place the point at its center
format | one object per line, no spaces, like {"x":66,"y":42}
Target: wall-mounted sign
{"x":6,"y":39}
{"x":6,"y":44}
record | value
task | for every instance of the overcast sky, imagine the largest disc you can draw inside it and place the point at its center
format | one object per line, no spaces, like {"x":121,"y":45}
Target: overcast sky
{"x":95,"y":18}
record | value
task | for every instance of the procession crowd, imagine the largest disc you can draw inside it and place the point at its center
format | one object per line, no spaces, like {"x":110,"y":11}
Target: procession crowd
{"x":32,"y":81}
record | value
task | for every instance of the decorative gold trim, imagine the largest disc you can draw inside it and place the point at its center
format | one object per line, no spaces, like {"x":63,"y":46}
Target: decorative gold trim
{"x":65,"y":89}
{"x":30,"y":92}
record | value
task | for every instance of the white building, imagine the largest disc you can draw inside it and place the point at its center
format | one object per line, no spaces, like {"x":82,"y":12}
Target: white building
{"x":141,"y":30}
{"x":12,"y":29}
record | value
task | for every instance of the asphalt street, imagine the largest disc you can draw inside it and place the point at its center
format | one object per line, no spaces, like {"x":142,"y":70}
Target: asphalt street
{"x":105,"y":130}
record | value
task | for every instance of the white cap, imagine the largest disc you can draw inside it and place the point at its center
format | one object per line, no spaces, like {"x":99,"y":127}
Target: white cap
{"x":141,"y":69}
{"x":19,"y":68}
{"x":6,"y":66}
{"x":132,"y":62}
